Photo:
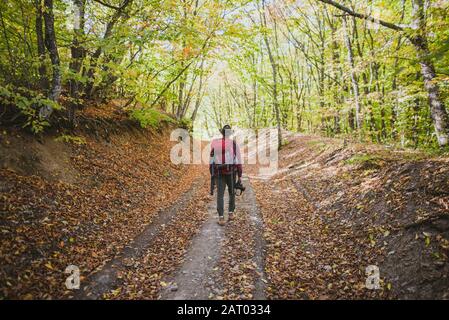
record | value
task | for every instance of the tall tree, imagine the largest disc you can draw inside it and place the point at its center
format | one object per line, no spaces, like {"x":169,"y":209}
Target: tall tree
{"x":418,"y":37}
{"x":274,"y":69}
{"x":50,"y":43}
{"x":40,"y":45}
{"x":354,"y":80}
{"x":77,"y":52}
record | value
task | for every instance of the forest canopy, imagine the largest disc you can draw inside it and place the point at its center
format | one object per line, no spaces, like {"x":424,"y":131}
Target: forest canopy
{"x":372,"y":70}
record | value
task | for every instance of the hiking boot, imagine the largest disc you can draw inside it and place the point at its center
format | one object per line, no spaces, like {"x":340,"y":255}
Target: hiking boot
{"x":221,"y":221}
{"x":231,"y":216}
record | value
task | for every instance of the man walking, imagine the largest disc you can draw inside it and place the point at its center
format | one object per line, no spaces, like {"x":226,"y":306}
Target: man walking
{"x":224,"y":165}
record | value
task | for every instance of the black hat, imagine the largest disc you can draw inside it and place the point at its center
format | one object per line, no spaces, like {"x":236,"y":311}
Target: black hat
{"x":225,"y":127}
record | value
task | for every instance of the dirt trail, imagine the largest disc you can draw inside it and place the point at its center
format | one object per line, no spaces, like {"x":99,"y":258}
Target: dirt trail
{"x":196,"y":277}
{"x":201,"y":275}
{"x":256,"y":219}
{"x":67,"y":203}
{"x":213,"y":266}
{"x":105,"y":279}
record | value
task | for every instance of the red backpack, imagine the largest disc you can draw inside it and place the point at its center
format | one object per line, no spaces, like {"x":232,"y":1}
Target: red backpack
{"x":224,"y":168}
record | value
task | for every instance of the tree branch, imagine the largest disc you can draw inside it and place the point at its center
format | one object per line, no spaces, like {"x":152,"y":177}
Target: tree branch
{"x":363,"y":16}
{"x":107,"y":5}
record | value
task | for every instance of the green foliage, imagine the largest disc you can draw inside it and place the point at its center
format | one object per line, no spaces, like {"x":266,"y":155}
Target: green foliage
{"x":186,"y":123}
{"x":150,"y":117}
{"x":143,"y":54}
{"x":364,"y":160}
{"x":313,"y":74}
{"x":71,"y":139}
{"x":29,"y":103}
{"x":226,"y":57}
{"x":319,"y":146}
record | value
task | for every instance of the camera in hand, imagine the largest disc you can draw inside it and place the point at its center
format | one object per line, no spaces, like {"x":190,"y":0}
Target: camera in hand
{"x":239,"y":186}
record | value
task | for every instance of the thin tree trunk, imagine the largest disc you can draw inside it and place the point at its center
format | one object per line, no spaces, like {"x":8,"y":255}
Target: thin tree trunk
{"x":77,"y":53}
{"x":437,"y":107}
{"x":88,"y":90}
{"x":200,"y":95}
{"x":395,"y":106}
{"x":8,"y":46}
{"x":43,"y":79}
{"x":50,"y":43}
{"x":354,"y":82}
{"x":275,"y":74}
{"x":254,"y":121}
{"x":335,"y":67}
{"x":180,"y":95}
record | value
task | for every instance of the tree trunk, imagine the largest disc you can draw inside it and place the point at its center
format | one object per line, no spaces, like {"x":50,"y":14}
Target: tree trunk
{"x":275,"y":74}
{"x":395,"y":106}
{"x":77,"y":53}
{"x":180,"y":97}
{"x":119,"y":12}
{"x":437,"y":108}
{"x":200,"y":90}
{"x":394,"y":87}
{"x":335,"y":73}
{"x":8,"y":46}
{"x":50,"y":43}
{"x":419,"y":40}
{"x":354,"y":81}
{"x":41,"y":46}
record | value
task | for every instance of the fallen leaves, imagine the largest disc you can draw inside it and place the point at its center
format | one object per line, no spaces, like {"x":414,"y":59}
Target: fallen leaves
{"x":345,"y":218}
{"x":324,"y":223}
{"x":48,"y":223}
{"x":238,"y":268}
{"x":145,"y":278}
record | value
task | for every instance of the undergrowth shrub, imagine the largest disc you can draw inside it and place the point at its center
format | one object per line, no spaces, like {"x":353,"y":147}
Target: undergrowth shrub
{"x":149,"y":117}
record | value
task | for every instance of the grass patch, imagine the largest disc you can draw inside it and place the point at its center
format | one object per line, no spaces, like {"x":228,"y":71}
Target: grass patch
{"x":284,"y":143}
{"x":364,"y":160}
{"x":149,"y":117}
{"x":67,"y":138}
{"x":317,"y":145}
{"x":436,"y":152}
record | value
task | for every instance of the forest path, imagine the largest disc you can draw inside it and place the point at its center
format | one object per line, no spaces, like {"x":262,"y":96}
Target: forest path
{"x":298,"y":234}
{"x":202,"y":275}
{"x":107,"y":277}
{"x":307,"y":231}
{"x":217,"y":262}
{"x":196,"y":279}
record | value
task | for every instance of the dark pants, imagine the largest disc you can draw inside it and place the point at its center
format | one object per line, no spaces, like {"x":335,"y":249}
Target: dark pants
{"x":222,"y":181}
